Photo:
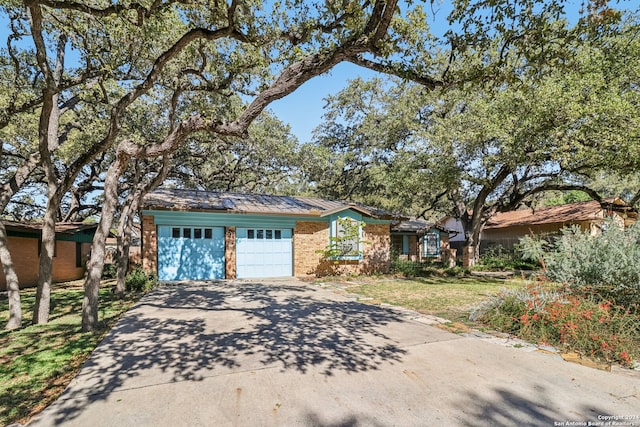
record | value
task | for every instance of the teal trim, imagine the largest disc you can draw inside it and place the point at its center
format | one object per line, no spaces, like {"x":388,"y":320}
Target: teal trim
{"x":437,"y":243}
{"x":81,"y":237}
{"x":214,"y":219}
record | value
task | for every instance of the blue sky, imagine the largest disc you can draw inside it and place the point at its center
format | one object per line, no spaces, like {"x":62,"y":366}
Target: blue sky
{"x":303,"y":109}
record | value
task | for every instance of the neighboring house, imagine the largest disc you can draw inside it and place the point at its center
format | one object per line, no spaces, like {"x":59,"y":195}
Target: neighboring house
{"x":189,"y":234}
{"x":420,"y":240}
{"x":506,"y":228}
{"x":73,"y":243}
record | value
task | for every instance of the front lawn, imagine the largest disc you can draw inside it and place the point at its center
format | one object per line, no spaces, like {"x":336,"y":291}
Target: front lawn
{"x":544,"y":313}
{"x":38,"y":361}
{"x":448,"y":297}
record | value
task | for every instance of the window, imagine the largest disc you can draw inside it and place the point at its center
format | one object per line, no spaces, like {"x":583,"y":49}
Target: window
{"x":278,"y":234}
{"x":269,"y":234}
{"x":197,"y":233}
{"x":251,"y":234}
{"x":260,"y":234}
{"x":175,"y":233}
{"x":347,"y":238}
{"x":431,"y":244}
{"x":208,"y":234}
{"x":186,"y":233}
{"x":78,"y":254}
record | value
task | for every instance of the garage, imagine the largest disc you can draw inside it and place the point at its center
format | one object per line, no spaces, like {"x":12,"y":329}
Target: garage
{"x":264,"y":252}
{"x":190,"y":253}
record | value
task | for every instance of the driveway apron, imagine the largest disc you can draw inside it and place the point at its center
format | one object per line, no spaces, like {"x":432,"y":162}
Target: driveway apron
{"x":288,"y":353}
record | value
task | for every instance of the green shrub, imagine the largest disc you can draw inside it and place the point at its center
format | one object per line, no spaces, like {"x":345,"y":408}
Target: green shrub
{"x":605,"y":265}
{"x":109,"y":271}
{"x":497,"y":258}
{"x":138,"y":280}
{"x":406,"y":268}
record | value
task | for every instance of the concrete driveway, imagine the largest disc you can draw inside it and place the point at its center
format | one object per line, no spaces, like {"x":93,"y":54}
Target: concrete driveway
{"x":287,"y":353}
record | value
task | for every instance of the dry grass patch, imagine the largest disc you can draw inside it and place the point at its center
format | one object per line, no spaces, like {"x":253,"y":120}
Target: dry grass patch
{"x":448,"y":297}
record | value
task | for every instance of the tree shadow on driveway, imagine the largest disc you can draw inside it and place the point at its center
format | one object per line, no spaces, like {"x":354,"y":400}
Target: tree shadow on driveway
{"x":188,"y":333}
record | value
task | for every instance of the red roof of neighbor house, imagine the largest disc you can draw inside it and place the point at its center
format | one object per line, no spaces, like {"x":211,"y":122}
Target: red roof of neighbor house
{"x":178,"y":199}
{"x":569,"y":213}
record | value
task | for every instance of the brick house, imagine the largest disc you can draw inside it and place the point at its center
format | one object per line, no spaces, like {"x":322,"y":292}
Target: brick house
{"x":504,"y":229}
{"x":72,"y":246}
{"x":419,"y":240}
{"x":190,"y":234}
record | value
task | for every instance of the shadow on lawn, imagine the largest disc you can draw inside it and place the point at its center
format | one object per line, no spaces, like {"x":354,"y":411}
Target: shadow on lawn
{"x":36,"y":355}
{"x":191,"y":332}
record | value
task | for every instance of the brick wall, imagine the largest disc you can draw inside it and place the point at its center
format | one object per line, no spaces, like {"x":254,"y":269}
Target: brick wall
{"x":376,"y":254}
{"x":309,"y":237}
{"x":230,"y":252}
{"x":24,"y":254}
{"x":149,"y":244}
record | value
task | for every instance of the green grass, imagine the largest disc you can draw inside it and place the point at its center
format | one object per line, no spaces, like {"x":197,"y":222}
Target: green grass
{"x":448,"y":297}
{"x":38,"y":361}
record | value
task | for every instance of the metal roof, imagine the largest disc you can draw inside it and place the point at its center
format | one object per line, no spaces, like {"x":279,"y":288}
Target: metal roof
{"x":190,"y":200}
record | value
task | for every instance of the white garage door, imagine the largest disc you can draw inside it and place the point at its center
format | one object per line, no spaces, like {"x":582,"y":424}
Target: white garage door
{"x":264,"y":252}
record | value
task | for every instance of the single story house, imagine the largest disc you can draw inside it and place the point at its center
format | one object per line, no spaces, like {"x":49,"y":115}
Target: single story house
{"x":419,"y":240}
{"x":72,"y":246}
{"x":191,"y":234}
{"x":506,"y":228}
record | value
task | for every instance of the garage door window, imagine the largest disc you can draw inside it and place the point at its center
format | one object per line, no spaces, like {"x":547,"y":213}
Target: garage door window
{"x":175,"y":233}
{"x":264,"y":234}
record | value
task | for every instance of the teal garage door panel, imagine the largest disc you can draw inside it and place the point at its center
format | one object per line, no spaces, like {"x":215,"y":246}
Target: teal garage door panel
{"x":190,"y":253}
{"x":264,"y":252}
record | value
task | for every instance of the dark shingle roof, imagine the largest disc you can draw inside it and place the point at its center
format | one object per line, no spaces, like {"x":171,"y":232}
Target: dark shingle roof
{"x":183,"y":200}
{"x":416,"y":225}
{"x":61,"y":227}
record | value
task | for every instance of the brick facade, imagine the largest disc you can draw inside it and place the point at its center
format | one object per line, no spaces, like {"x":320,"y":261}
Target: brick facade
{"x":376,"y":255}
{"x":311,"y":237}
{"x":149,"y":244}
{"x":308,"y":238}
{"x":25,"y":257}
{"x":230,"y":252}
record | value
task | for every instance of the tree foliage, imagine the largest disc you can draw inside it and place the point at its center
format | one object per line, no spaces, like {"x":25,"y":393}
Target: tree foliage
{"x":474,"y":149}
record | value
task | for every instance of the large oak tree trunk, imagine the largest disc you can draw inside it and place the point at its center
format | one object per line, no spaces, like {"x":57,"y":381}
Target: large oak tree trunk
{"x":96,"y":262}
{"x":13,"y":286}
{"x":11,"y":277}
{"x":47,"y":252}
{"x":124,"y":243}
